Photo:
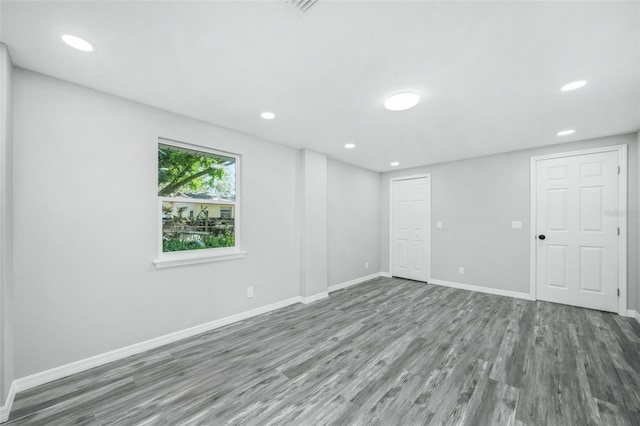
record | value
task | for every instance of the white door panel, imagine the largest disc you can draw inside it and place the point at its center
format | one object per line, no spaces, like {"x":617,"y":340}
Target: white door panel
{"x":591,"y":269}
{"x":577,"y":262}
{"x":403,"y":255}
{"x":417,"y":257}
{"x":410,"y":228}
{"x":557,"y":209}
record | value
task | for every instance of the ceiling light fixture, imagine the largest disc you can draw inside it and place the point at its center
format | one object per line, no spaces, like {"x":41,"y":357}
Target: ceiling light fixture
{"x":566,"y":132}
{"x":573,"y":86}
{"x":395,"y":163}
{"x":77,"y":43}
{"x":401,"y":101}
{"x":268,"y":115}
{"x":350,"y":145}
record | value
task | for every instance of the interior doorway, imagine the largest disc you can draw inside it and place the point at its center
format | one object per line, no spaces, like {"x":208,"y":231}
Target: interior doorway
{"x":578,"y":210}
{"x":410,"y":241}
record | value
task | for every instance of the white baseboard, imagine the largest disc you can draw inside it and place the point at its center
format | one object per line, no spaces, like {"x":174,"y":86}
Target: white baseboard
{"x":6,"y":408}
{"x":385,"y":274}
{"x":56,"y":373}
{"x":314,"y":298}
{"x":480,"y":289}
{"x":360,"y":280}
{"x":634,"y":314}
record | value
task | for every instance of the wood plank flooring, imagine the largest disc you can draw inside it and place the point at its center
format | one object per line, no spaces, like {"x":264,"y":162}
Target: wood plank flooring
{"x":386,"y":352}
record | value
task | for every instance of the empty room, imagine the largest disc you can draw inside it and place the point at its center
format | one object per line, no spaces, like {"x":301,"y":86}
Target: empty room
{"x":319,"y":212}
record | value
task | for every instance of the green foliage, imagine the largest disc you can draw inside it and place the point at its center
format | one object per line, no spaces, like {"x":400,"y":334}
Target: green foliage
{"x":191,"y":171}
{"x":207,"y":241}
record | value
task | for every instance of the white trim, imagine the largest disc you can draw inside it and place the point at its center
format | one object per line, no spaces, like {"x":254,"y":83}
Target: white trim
{"x":633,"y":314}
{"x":314,"y":298}
{"x":533,"y":220}
{"x":581,"y":152}
{"x":360,"y":280}
{"x":386,"y":274}
{"x":480,"y":289}
{"x":56,"y":373}
{"x":622,"y":222}
{"x":428,"y":240}
{"x":622,"y":218}
{"x":6,"y":409}
{"x":197,"y":201}
{"x":193,"y":259}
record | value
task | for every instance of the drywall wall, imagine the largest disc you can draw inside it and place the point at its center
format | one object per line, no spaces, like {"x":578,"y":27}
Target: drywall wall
{"x":6,"y":225}
{"x":313,"y":264}
{"x":477,"y":199}
{"x":636,"y":212}
{"x":86,"y":224}
{"x":354,"y":222}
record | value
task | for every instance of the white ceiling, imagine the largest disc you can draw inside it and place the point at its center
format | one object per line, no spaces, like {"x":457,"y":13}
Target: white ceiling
{"x":489,"y":73}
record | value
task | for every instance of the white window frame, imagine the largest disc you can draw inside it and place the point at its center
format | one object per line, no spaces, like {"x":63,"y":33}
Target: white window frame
{"x":189,"y":257}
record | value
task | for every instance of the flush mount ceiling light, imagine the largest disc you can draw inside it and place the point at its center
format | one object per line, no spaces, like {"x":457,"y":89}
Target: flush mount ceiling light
{"x":401,"y":101}
{"x":395,"y":163}
{"x":573,"y":86}
{"x":350,"y":145}
{"x":268,"y":115}
{"x":566,"y":132}
{"x":77,"y":43}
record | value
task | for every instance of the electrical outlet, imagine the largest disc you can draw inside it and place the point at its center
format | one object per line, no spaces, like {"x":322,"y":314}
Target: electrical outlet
{"x":439,"y":224}
{"x":461,"y":270}
{"x":249,"y":291}
{"x":366,"y":265}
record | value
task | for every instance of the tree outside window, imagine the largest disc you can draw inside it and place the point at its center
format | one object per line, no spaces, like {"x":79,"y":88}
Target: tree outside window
{"x":197,"y":192}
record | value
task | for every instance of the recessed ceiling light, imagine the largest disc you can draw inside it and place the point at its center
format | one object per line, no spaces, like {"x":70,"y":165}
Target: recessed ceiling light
{"x":573,"y":86}
{"x":77,"y":43}
{"x":401,"y":101}
{"x":395,"y":163}
{"x":268,"y":115}
{"x":350,"y":145}
{"x":566,"y":132}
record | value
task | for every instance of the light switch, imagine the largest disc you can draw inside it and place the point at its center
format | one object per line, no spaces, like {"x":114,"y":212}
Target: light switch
{"x":516,"y":225}
{"x":439,"y":224}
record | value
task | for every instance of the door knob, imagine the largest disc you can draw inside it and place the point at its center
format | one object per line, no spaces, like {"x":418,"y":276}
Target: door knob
{"x":542,"y":237}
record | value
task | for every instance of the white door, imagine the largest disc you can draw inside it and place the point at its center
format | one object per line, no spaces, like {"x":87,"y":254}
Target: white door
{"x":410,"y":228}
{"x":577,"y":241}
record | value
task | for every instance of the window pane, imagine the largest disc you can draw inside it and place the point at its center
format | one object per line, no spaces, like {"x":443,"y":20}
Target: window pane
{"x":195,"y":174}
{"x":193,"y":226}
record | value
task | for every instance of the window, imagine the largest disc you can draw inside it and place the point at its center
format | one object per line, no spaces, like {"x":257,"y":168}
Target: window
{"x":198,"y":205}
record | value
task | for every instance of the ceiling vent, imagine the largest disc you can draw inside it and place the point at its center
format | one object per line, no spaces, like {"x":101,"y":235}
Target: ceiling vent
{"x":300,"y":6}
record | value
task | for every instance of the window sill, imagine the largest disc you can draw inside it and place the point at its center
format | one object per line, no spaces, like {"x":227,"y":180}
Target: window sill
{"x":194,"y":259}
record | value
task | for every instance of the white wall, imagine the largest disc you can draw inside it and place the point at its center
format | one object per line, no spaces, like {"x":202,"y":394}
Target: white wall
{"x":477,"y":199}
{"x":86,"y":224}
{"x":354,"y":222}
{"x":313,"y":255}
{"x":6,"y":226}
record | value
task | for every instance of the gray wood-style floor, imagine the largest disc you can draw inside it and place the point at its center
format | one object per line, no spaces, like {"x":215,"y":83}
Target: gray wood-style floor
{"x":385,"y":352}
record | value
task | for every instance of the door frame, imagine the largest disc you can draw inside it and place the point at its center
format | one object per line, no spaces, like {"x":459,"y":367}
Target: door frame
{"x":622,"y":217}
{"x":428,"y":239}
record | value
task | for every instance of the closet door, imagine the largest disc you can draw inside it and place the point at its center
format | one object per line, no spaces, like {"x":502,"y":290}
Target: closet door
{"x":410,"y":228}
